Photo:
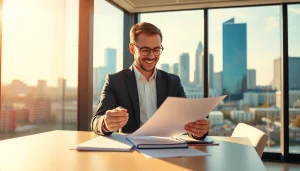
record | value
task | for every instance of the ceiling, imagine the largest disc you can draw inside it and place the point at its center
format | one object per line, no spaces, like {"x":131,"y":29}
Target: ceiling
{"x":138,"y":6}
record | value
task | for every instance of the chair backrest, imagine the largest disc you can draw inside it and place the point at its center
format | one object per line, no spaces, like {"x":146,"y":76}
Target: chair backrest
{"x":257,"y":137}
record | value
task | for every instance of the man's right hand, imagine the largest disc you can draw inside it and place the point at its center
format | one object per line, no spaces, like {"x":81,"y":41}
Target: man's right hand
{"x":115,"y":119}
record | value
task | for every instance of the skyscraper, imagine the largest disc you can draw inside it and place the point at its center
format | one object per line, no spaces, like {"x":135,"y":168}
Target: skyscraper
{"x":198,"y":63}
{"x":165,"y":67}
{"x":234,"y":59}
{"x":211,"y":70}
{"x":218,"y":82}
{"x":42,"y":85}
{"x":276,"y":80}
{"x":111,"y":60}
{"x":251,"y":79}
{"x":7,"y":119}
{"x":61,"y":84}
{"x":294,"y":76}
{"x":99,"y":75}
{"x":175,"y":69}
{"x":184,"y":68}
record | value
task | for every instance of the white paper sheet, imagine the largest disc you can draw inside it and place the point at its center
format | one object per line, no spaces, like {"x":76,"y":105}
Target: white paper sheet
{"x":114,"y":142}
{"x":171,"y":117}
{"x":165,"y":153}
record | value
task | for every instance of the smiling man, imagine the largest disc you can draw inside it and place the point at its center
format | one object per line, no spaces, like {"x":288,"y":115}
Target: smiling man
{"x":130,"y":97}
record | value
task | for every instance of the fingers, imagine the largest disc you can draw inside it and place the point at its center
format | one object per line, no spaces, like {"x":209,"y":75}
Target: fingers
{"x":203,"y":121}
{"x":199,"y":126}
{"x":116,"y":118}
{"x":195,"y":131}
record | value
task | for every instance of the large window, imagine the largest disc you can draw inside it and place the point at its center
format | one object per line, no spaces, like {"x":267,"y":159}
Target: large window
{"x":246,"y":46}
{"x":108,"y":45}
{"x":183,"y":47}
{"x":294,"y":77}
{"x":39,"y":66}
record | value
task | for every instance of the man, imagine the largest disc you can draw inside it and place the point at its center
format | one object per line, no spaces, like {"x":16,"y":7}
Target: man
{"x":130,"y":97}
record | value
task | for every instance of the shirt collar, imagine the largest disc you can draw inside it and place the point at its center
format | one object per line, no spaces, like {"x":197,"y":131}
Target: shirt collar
{"x":138,"y":74}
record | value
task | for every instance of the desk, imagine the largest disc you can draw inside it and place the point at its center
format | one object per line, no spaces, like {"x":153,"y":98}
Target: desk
{"x":50,"y":151}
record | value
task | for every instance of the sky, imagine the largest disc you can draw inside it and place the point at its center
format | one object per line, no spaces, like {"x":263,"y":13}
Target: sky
{"x":40,"y":37}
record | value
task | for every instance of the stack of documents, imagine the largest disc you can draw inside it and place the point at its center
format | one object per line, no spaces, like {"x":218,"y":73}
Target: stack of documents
{"x":114,"y":142}
{"x":153,"y":142}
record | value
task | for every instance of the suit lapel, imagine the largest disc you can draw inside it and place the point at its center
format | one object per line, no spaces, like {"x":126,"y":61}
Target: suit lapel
{"x":161,"y":91}
{"x":131,"y":85}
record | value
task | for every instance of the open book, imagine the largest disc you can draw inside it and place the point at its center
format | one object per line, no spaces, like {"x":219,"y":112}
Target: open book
{"x":154,"y":142}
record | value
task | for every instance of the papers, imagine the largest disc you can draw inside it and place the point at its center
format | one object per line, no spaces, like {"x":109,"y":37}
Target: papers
{"x":178,"y":152}
{"x":171,"y":117}
{"x":153,"y":142}
{"x":114,"y":142}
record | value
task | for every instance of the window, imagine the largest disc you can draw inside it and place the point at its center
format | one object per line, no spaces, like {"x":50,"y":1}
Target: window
{"x":183,"y":47}
{"x":246,"y":46}
{"x":294,"y":77}
{"x":108,"y":45}
{"x":39,"y":66}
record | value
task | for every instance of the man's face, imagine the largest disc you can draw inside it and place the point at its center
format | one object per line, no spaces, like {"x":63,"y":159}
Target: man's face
{"x":145,"y":60}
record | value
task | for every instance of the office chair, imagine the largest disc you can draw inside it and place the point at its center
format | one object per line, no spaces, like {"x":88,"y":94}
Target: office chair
{"x":257,"y":137}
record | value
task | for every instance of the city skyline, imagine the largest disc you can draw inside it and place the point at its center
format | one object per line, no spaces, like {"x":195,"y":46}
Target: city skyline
{"x":263,"y":27}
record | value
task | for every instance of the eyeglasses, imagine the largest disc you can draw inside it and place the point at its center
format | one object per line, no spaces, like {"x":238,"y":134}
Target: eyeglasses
{"x":145,"y":51}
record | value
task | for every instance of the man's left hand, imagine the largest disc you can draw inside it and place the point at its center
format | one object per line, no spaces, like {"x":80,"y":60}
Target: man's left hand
{"x":198,"y":128}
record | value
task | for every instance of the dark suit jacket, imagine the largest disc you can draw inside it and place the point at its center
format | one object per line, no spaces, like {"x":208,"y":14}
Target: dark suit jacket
{"x":120,"y":89}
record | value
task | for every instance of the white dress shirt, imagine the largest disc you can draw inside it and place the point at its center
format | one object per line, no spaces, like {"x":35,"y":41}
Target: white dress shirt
{"x":147,"y":95}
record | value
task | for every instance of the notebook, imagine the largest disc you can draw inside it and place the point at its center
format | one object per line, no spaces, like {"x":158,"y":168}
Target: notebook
{"x":114,"y":142}
{"x":154,"y":142}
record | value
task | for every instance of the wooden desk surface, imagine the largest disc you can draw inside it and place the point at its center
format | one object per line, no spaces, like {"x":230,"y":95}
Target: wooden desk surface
{"x":51,"y":151}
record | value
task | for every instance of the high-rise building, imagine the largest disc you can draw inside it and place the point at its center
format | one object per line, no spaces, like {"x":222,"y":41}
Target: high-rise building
{"x":165,"y":67}
{"x":211,"y":70}
{"x":251,"y":79}
{"x":184,"y":68}
{"x":42,"y":86}
{"x":7,"y":119}
{"x":198,"y":63}
{"x":294,"y":76}
{"x":218,"y":82}
{"x":111,"y":60}
{"x":234,"y":59}
{"x":276,"y":80}
{"x":98,"y":80}
{"x":175,"y":69}
{"x":39,"y":110}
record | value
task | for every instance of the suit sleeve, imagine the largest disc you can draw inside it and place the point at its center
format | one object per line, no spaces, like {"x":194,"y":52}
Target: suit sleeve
{"x":107,"y":101}
{"x":181,"y":93}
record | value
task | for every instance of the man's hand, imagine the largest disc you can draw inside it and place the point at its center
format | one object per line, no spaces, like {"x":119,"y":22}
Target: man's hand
{"x":198,"y":128}
{"x":115,"y":119}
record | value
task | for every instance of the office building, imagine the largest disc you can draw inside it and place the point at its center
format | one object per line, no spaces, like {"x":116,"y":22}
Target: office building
{"x":216,"y":118}
{"x":198,"y":64}
{"x":234,"y":59}
{"x":294,"y":98}
{"x":211,"y":70}
{"x":7,"y":119}
{"x":42,"y":88}
{"x":99,"y":75}
{"x":184,"y":68}
{"x":39,"y":110}
{"x":110,"y":60}
{"x":217,"y":85}
{"x":251,"y":79}
{"x":257,"y":97}
{"x":242,"y":116}
{"x":293,"y":69}
{"x":165,"y":67}
{"x":175,"y":69}
{"x":61,"y":84}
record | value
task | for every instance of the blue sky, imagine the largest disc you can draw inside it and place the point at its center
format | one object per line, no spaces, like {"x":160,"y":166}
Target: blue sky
{"x":37,"y":46}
